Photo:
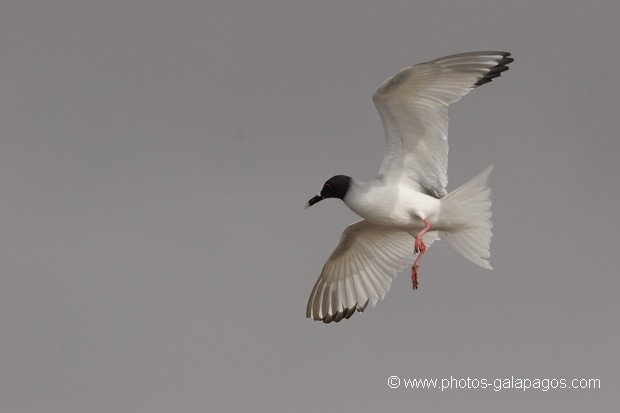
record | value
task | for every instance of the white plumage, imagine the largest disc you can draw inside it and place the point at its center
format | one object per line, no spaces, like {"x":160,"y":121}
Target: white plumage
{"x":408,"y":198}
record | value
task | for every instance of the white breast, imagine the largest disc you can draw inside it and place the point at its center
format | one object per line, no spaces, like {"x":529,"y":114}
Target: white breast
{"x":390,"y":205}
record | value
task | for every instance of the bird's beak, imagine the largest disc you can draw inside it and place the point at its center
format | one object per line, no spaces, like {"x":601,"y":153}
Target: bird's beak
{"x":314,"y":201}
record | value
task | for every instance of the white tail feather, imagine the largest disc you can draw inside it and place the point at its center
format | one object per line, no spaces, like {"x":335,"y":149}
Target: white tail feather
{"x":473,"y":199}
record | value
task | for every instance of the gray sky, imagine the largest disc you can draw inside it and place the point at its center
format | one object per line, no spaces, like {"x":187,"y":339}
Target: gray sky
{"x":155,"y":159}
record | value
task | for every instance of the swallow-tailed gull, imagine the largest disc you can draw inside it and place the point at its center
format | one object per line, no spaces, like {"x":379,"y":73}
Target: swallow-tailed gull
{"x":407,"y":205}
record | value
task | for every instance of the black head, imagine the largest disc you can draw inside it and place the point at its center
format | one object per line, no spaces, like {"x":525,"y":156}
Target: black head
{"x":336,"y":187}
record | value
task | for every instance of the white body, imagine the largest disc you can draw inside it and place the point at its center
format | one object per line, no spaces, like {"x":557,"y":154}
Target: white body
{"x":392,"y":206}
{"x":404,"y":207}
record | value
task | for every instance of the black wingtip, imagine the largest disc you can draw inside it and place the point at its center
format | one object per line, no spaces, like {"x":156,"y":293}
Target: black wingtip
{"x":496,"y":70}
{"x":336,"y":318}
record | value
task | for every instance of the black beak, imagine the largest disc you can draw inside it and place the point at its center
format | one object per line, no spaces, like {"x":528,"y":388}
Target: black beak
{"x":314,"y":201}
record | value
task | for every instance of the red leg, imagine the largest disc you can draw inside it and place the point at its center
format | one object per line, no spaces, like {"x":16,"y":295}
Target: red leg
{"x":419,"y":248}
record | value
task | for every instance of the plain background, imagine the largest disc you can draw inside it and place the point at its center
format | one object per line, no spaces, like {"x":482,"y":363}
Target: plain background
{"x":155,"y":160}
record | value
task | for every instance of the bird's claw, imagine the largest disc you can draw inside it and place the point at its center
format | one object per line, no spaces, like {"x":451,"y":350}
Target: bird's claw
{"x":419,"y":245}
{"x":414,"y":277}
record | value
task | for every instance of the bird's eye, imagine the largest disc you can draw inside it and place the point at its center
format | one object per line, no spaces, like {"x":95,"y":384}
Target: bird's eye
{"x":327,"y":186}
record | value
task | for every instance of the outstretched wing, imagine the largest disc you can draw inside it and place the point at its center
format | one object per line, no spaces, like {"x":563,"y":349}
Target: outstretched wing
{"x":360,"y":270}
{"x":413,"y":106}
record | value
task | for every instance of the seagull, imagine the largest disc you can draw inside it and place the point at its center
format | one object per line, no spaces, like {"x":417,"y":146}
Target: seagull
{"x":407,"y":206}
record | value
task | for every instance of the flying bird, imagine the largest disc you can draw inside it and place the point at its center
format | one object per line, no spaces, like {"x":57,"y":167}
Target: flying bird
{"x":406,"y":206}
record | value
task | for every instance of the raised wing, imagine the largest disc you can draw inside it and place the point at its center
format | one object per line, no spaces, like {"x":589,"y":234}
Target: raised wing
{"x":413,"y":105}
{"x":360,"y":270}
